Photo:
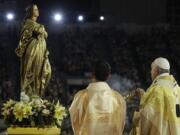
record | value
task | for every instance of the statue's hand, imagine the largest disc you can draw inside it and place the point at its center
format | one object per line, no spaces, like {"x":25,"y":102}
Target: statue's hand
{"x":44,"y":31}
{"x":45,"y":34}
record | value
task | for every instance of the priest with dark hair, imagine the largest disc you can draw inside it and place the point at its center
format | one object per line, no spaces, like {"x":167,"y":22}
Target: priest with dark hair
{"x":98,"y":110}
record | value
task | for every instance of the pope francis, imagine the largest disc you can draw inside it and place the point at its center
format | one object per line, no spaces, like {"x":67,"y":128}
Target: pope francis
{"x":98,"y":110}
{"x":160,"y":105}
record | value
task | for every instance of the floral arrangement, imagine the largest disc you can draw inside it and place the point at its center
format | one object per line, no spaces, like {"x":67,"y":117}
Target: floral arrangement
{"x":34,"y":113}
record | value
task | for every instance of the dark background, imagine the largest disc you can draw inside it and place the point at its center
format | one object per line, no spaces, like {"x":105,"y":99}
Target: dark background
{"x":125,"y":11}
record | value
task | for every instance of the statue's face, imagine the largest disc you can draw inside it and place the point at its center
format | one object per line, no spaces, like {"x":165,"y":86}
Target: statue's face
{"x":35,"y":11}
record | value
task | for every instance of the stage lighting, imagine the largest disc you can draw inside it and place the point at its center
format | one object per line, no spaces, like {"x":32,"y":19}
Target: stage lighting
{"x":80,"y":18}
{"x":9,"y":16}
{"x":101,"y":18}
{"x":58,"y":17}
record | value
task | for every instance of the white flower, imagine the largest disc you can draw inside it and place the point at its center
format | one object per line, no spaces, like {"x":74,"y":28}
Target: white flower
{"x":37,"y":102}
{"x":46,"y":112}
{"x":24,"y":97}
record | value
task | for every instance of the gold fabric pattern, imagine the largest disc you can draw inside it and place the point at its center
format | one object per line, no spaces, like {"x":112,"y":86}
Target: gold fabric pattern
{"x":158,"y":108}
{"x":98,"y":110}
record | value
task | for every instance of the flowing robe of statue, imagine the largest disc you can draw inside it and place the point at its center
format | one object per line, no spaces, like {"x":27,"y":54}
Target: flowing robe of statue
{"x":35,"y":67}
